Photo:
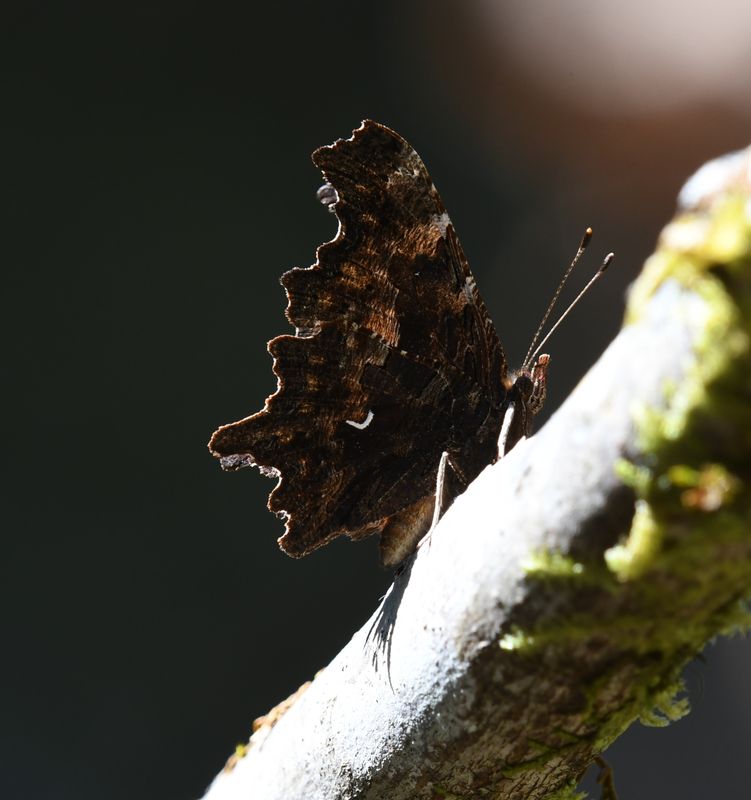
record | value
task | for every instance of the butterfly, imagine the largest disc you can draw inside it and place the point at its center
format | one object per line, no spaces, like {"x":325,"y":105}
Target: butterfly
{"x":394,"y":390}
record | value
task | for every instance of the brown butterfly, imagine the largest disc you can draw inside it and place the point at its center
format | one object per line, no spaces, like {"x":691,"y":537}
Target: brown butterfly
{"x":395,"y":372}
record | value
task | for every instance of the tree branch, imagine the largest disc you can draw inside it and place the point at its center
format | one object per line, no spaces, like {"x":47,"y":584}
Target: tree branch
{"x":563,"y":592}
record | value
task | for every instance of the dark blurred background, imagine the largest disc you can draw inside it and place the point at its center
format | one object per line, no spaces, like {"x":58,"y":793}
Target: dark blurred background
{"x":157,"y":181}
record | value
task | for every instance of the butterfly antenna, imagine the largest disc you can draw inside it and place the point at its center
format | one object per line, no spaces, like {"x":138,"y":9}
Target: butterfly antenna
{"x":605,"y":264}
{"x":582,"y":247}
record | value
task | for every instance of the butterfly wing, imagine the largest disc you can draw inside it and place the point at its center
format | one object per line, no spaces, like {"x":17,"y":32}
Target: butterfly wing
{"x":393,"y":361}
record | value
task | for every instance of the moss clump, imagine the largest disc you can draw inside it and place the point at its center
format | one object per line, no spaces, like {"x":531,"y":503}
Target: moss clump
{"x":568,"y":792}
{"x":546,"y":564}
{"x":667,"y":706}
{"x":692,"y":479}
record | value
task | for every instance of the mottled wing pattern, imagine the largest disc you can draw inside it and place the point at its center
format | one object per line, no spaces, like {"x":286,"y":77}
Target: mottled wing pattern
{"x":393,"y":361}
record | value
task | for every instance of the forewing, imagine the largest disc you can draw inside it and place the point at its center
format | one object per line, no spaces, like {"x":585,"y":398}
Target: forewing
{"x":394,"y":358}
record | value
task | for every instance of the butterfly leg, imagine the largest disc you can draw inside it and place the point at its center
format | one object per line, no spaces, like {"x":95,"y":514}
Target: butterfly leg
{"x":440,"y":491}
{"x":508,"y":418}
{"x":441,"y":498}
{"x":513,"y":430}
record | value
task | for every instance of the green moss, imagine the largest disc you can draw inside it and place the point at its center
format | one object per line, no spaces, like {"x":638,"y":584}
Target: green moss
{"x":614,"y":726}
{"x":538,"y":762}
{"x":638,"y":478}
{"x":633,"y":557}
{"x":516,"y":640}
{"x":737,"y":619}
{"x":546,"y":564}
{"x":682,"y":483}
{"x":550,"y":566}
{"x":568,"y":792}
{"x":667,"y":706}
{"x":691,"y":246}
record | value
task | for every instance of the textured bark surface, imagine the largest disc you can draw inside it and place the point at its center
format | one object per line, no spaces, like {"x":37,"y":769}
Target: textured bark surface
{"x":523,"y":639}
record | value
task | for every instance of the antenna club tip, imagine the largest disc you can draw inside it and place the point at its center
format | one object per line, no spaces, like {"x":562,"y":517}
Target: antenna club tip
{"x":586,"y":238}
{"x":607,"y":261}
